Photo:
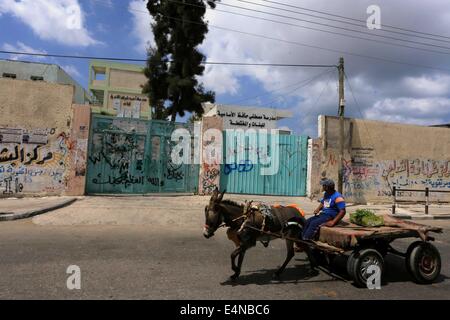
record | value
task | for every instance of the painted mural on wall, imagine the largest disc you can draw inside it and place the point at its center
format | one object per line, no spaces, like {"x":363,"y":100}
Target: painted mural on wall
{"x":364,"y":176}
{"x":33,"y":161}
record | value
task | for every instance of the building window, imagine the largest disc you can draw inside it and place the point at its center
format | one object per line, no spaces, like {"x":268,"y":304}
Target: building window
{"x":37,"y":78}
{"x":9,"y":75}
{"x":100,"y":76}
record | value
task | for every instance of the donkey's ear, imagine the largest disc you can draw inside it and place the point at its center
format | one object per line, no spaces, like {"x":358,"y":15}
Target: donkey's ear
{"x":222,"y":194}
{"x":215,"y":194}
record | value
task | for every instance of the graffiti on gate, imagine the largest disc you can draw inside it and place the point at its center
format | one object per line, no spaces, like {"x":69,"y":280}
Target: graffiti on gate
{"x":241,"y":167}
{"x":174,"y":171}
{"x":126,"y":180}
{"x":118,"y":150}
{"x":288,"y":155}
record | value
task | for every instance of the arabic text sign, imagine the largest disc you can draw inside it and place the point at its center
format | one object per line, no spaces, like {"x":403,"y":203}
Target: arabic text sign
{"x":250,"y":119}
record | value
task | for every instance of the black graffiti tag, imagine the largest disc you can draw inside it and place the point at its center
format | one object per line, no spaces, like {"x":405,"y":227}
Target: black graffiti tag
{"x":174,"y":172}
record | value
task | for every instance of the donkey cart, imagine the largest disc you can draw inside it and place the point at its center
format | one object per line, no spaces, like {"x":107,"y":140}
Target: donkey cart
{"x":367,"y":247}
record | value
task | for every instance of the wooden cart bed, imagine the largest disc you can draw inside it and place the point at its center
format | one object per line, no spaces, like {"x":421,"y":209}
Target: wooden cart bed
{"x":347,"y":235}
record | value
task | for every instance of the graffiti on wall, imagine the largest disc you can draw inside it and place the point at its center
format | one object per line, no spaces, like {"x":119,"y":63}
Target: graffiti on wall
{"x":33,"y":161}
{"x":362,"y":174}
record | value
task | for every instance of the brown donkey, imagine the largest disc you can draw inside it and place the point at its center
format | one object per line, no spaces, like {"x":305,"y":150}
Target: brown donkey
{"x":219,"y":212}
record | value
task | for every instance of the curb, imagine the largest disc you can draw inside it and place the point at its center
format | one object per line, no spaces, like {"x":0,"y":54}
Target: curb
{"x":32,"y":213}
{"x":145,"y":195}
{"x":421,"y":217}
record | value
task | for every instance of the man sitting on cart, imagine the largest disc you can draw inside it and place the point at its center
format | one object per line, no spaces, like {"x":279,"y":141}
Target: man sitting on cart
{"x":330,"y":211}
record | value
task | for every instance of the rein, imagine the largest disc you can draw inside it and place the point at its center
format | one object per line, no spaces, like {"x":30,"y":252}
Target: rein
{"x":224,"y":224}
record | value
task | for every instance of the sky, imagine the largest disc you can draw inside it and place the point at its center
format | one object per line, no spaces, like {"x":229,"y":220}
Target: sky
{"x":393,"y":75}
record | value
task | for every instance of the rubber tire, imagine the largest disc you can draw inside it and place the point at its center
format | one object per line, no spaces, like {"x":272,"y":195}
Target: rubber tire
{"x":354,"y":264}
{"x":408,"y":254}
{"x":413,"y":258}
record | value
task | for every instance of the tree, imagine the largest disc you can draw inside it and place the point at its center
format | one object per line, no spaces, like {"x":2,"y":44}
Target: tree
{"x":174,"y":62}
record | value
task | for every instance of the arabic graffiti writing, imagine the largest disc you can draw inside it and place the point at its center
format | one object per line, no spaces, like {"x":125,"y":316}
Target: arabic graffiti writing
{"x":127,"y":180}
{"x":33,"y":161}
{"x":174,"y":172}
{"x":243,"y":166}
{"x":363,"y":174}
{"x":12,"y":187}
{"x":118,"y":151}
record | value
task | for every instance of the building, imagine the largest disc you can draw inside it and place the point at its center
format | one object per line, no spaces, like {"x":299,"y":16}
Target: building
{"x":43,"y":138}
{"x":36,"y":71}
{"x":239,"y":117}
{"x":117,"y":89}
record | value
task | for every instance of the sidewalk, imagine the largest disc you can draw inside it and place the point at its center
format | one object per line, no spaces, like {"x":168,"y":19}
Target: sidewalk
{"x":21,"y":208}
{"x":177,"y":211}
{"x":409,"y":212}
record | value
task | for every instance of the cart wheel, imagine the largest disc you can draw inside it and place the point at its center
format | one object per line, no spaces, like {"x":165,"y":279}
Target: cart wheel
{"x":408,"y":254}
{"x":423,"y":262}
{"x":359,"y":262}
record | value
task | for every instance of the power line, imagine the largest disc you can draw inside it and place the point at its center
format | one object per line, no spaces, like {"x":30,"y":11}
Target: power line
{"x":302,"y":44}
{"x":307,"y":83}
{"x":268,"y":93}
{"x":319,"y":23}
{"x":364,"y":25}
{"x":331,"y":32}
{"x":313,"y":46}
{"x":386,"y":60}
{"x":144,"y":60}
{"x":353,"y":19}
{"x":320,"y":96}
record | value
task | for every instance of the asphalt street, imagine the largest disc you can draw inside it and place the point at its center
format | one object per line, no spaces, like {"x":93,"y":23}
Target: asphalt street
{"x":176,"y":262}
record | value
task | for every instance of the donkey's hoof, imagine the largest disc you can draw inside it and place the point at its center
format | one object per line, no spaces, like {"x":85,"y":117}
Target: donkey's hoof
{"x":234,"y":277}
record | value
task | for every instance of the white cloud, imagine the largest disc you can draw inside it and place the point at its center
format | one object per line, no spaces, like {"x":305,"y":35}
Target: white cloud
{"x":428,"y":85}
{"x":376,"y":83}
{"x":58,"y":20}
{"x":21,"y":47}
{"x":423,"y":111}
{"x":141,"y":20}
{"x":72,"y":70}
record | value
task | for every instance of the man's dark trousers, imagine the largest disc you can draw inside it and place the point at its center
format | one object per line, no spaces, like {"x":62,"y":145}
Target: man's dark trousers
{"x":313,"y":224}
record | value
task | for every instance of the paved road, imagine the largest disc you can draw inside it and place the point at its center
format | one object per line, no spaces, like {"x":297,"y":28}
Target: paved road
{"x":174,"y":262}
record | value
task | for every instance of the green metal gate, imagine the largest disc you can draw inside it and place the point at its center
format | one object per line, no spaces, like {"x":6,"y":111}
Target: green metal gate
{"x":131,"y":156}
{"x":242,"y":174}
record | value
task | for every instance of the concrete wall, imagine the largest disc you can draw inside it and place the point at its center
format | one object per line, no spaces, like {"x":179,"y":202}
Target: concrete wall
{"x":36,"y":146}
{"x":127,"y":79}
{"x":79,"y":136}
{"x":209,"y":176}
{"x":380,"y":155}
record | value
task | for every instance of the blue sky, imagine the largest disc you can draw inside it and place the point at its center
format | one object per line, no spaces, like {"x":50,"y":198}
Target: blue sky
{"x":411,"y":92}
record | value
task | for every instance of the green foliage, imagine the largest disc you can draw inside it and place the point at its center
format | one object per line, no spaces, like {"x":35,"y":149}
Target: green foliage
{"x":174,"y":62}
{"x":366,"y":218}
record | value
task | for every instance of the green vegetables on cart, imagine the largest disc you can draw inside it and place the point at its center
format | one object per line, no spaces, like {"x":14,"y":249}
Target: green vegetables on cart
{"x":366,"y":218}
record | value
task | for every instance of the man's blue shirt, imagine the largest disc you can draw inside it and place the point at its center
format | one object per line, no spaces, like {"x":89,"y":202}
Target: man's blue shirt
{"x":332,"y":204}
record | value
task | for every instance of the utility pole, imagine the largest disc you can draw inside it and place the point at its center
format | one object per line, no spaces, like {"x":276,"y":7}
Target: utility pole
{"x":341,"y":123}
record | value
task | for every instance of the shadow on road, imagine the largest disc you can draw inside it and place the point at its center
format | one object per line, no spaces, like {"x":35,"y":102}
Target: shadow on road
{"x":293,"y":275}
{"x":395,"y":271}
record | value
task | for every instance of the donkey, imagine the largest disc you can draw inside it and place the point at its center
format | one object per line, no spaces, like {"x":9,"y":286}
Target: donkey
{"x":221,"y":212}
